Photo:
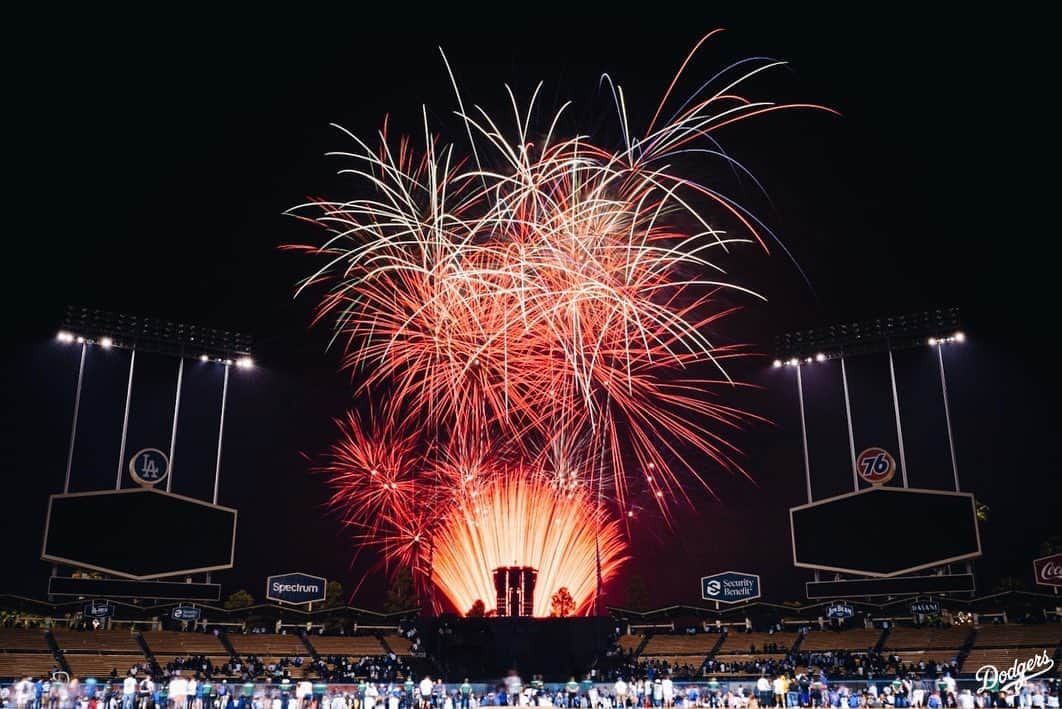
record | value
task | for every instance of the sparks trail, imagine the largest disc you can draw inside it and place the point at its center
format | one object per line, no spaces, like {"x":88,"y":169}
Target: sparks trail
{"x":525,"y":291}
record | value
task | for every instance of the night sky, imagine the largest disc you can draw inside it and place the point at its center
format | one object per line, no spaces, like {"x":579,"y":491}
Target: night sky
{"x":152,"y":158}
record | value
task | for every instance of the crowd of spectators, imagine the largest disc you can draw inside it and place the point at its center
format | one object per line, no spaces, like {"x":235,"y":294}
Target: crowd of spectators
{"x":842,"y":664}
{"x":381,"y":669}
{"x":197,"y":665}
{"x":834,"y":663}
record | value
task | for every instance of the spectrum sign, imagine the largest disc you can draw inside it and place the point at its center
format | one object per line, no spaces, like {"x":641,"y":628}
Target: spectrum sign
{"x":295,"y":588}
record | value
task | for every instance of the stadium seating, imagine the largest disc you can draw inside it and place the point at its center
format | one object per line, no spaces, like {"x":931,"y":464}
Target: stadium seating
{"x":699,"y":644}
{"x":1001,"y":645}
{"x":732,"y":658}
{"x":856,"y":640}
{"x":743,"y":642}
{"x":173,"y":643}
{"x":1000,"y":657}
{"x":401,"y":645}
{"x":216,"y":660}
{"x":948,"y":638}
{"x":630,"y":643}
{"x":937,"y":655}
{"x":24,"y":639}
{"x":678,"y":651}
{"x":353,"y":645}
{"x":692,"y":661}
{"x":99,"y":666}
{"x":1018,"y":635}
{"x":25,"y":664}
{"x":96,"y":641}
{"x":265,"y":645}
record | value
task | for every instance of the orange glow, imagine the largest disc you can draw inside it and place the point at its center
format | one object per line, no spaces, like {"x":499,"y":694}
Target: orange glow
{"x":526,"y":522}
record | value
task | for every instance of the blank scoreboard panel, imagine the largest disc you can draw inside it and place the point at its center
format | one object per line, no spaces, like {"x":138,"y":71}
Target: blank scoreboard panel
{"x":139,"y":533}
{"x":902,"y":529}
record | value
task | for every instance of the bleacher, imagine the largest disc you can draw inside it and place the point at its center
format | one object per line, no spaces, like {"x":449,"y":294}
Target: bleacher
{"x":24,"y":652}
{"x":1048,"y":635}
{"x":855,"y":640}
{"x":734,"y":658}
{"x":1001,"y":645}
{"x":356,"y":646}
{"x":998,"y":656}
{"x":86,"y":664}
{"x":699,"y":644}
{"x":216,"y":660}
{"x":947,"y":638}
{"x":71,"y":641}
{"x":745,"y":642}
{"x":914,"y":645}
{"x":23,"y":640}
{"x":15,"y":665}
{"x":268,"y":646}
{"x":400,"y":644}
{"x":172,"y":643}
{"x":693,"y":661}
{"x":630,"y":643}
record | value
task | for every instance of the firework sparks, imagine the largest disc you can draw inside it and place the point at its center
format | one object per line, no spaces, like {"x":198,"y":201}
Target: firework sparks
{"x":531,"y":291}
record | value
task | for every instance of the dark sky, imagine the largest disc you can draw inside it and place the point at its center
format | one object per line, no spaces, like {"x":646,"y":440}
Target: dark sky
{"x":151,"y":158}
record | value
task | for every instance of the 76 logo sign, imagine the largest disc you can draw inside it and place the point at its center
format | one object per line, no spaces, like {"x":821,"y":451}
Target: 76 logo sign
{"x":876,"y":466}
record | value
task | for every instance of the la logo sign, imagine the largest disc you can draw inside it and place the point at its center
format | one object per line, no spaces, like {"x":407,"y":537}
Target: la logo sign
{"x":730,"y":587}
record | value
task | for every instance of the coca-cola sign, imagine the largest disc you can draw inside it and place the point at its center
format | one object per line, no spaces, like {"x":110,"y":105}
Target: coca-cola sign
{"x":1048,"y":570}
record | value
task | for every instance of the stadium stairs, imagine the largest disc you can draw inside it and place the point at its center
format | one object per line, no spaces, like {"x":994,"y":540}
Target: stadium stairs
{"x":153,"y":663}
{"x":418,"y":666}
{"x":715,"y":649}
{"x":641,"y":646}
{"x":59,"y":655}
{"x":383,"y":642}
{"x":880,"y":644}
{"x":797,"y":643}
{"x":229,"y":647}
{"x":309,"y":645}
{"x":966,"y":647}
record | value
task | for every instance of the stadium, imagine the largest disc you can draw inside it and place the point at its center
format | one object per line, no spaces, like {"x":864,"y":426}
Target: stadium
{"x":559,"y":380}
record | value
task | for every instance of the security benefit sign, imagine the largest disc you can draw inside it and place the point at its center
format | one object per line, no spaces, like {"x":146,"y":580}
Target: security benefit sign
{"x":186,"y":613}
{"x":296,"y":588}
{"x":730,"y":587}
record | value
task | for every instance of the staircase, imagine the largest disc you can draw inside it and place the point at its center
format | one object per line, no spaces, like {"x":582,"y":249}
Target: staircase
{"x":382,"y":639}
{"x":57,"y":653}
{"x":309,"y":645}
{"x":964,"y":649}
{"x":880,"y":644}
{"x":796,"y":645}
{"x":641,"y":646}
{"x":229,"y":648}
{"x":156,"y":669}
{"x":714,"y":650}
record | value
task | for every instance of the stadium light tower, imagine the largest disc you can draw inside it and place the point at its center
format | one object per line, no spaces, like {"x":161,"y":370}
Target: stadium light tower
{"x":936,"y":328}
{"x":110,"y":330}
{"x":807,"y":347}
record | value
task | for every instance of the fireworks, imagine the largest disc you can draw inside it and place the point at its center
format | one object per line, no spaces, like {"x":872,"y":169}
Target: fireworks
{"x":543,"y":309}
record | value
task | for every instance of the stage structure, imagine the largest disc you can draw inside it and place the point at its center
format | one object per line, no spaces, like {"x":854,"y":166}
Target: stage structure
{"x":515,"y":586}
{"x":200,"y":535}
{"x":912,"y":563}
